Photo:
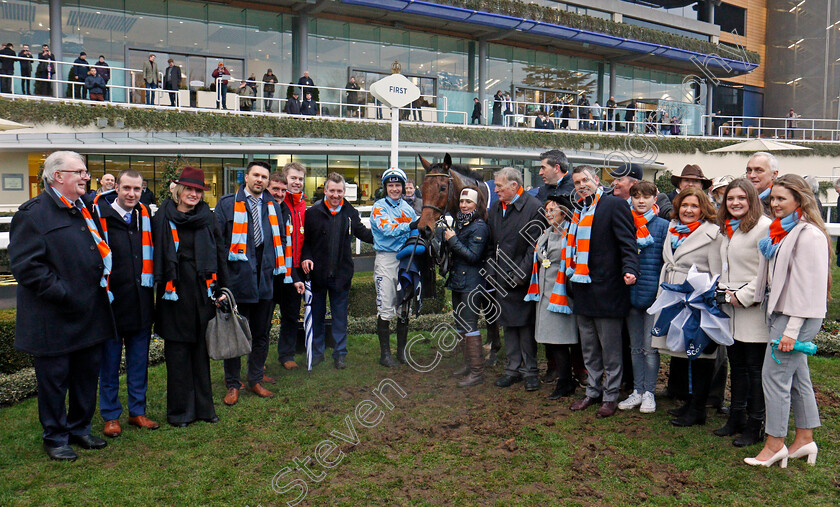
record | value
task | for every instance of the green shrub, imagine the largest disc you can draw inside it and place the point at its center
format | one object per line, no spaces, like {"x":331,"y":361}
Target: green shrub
{"x":11,"y":360}
{"x":828,"y":344}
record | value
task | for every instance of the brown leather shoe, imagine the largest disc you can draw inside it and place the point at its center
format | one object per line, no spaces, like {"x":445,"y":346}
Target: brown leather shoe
{"x":607,"y":409}
{"x":112,"y":428}
{"x":268,"y":380}
{"x":584,"y":403}
{"x":232,"y":396}
{"x":261,"y":391}
{"x":290,"y":365}
{"x":141,"y":421}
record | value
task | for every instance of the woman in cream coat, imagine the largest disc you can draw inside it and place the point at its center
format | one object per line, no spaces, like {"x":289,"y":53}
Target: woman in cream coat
{"x":701,"y":248}
{"x":795,"y":267}
{"x":743,"y":225}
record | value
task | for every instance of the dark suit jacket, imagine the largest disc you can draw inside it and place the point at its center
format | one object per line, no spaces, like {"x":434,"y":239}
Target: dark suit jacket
{"x":62,"y":307}
{"x":172,"y":78}
{"x":612,"y":253}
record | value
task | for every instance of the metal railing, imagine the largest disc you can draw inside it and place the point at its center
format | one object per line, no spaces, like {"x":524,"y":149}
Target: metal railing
{"x":796,"y":128}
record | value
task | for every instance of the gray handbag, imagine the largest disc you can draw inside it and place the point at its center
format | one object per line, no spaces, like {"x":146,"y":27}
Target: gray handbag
{"x":228,"y":333}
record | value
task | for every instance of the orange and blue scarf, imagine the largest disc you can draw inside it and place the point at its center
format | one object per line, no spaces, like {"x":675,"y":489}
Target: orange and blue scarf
{"x":558,"y":302}
{"x":288,"y":252}
{"x":731,"y":225}
{"x":171,"y":294}
{"x":517,"y":196}
{"x":778,"y":230}
{"x":336,"y":210}
{"x":580,"y":233}
{"x":239,"y":236}
{"x":681,"y":231}
{"x":643,"y":237}
{"x":147,"y":276}
{"x":101,"y":245}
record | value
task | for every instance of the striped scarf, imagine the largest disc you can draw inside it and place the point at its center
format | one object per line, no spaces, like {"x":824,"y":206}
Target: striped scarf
{"x":337,"y":209}
{"x":731,"y":225}
{"x":101,"y":245}
{"x":580,"y":232}
{"x":780,"y":227}
{"x":558,"y":302}
{"x":288,"y":252}
{"x":147,"y":276}
{"x":239,"y":236}
{"x":766,"y":192}
{"x":643,"y":237}
{"x":682,"y":231}
{"x":171,"y":294}
{"x":505,"y":205}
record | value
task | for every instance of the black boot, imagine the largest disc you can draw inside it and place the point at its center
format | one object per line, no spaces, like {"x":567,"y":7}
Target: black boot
{"x":693,"y":417}
{"x":383,"y":329}
{"x":753,"y":433}
{"x":734,"y":425}
{"x":681,"y":410}
{"x":402,"y":339}
{"x":562,"y":389}
{"x":565,"y":384}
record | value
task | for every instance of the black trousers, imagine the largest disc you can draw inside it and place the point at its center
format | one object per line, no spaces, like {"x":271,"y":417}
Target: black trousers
{"x":562,"y":357}
{"x":5,"y":83}
{"x":25,"y":86}
{"x":702,"y":371}
{"x":289,"y":318}
{"x":746,"y":361}
{"x":76,"y":373}
{"x":259,"y":319}
{"x":188,"y":390}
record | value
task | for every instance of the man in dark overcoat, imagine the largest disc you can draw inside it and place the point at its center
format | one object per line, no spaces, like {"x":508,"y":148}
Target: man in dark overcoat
{"x":327,"y":257}
{"x":65,"y":313}
{"x":251,"y":279}
{"x":133,"y":303}
{"x":515,"y":223}
{"x":602,"y":300}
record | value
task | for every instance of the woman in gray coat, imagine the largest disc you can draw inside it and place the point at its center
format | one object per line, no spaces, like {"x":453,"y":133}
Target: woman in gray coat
{"x":793,"y":282}
{"x":556,"y":327}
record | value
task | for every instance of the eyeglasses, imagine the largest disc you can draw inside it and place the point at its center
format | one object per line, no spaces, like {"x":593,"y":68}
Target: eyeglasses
{"x":80,"y":172}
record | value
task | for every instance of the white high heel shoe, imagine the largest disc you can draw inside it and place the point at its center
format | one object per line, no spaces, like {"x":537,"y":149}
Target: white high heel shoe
{"x":808,"y":450}
{"x":782,"y":455}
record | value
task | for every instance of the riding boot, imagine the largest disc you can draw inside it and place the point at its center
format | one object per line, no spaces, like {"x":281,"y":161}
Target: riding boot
{"x":476,"y":360}
{"x":462,"y":350}
{"x":402,"y":339}
{"x":566,"y":384}
{"x":734,"y":425}
{"x":383,"y":329}
{"x":753,"y":433}
{"x":495,"y":344}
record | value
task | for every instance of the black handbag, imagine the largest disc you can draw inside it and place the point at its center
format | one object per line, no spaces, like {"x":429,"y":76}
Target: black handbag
{"x":228,"y":333}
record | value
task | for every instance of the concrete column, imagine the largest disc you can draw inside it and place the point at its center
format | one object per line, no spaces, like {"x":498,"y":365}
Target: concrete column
{"x":471,"y":67}
{"x":710,"y":91}
{"x":55,"y":45}
{"x":300,"y":47}
{"x":599,"y":94}
{"x":482,"y":76}
{"x":612,"y":79}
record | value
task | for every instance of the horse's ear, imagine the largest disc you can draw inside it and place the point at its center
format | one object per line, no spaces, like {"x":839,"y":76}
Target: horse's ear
{"x":425,"y":162}
{"x":447,"y":161}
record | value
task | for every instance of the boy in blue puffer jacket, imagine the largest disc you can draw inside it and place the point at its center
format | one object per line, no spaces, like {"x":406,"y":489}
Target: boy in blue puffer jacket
{"x":650,"y":238}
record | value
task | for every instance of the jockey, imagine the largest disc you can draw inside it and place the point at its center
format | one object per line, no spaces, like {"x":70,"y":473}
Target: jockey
{"x":391,"y":222}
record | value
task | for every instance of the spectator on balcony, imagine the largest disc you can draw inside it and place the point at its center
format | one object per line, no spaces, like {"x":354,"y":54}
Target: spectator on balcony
{"x":583,"y":113}
{"x":542,"y":122}
{"x":309,"y":107}
{"x":791,"y":123}
{"x":306,"y":83}
{"x":221,"y":84}
{"x":556,"y":107}
{"x":565,"y":114}
{"x":246,"y":96}
{"x":611,"y":114}
{"x":630,"y":117}
{"x":45,"y":72}
{"x":95,"y":85}
{"x":172,"y":81}
{"x":497,"y":107}
{"x":508,"y":108}
{"x":80,"y":73}
{"x":104,"y":71}
{"x":252,"y":82}
{"x":596,"y":116}
{"x":269,"y":80}
{"x":292,"y":104}
{"x":352,"y":97}
{"x":476,"y":112}
{"x":150,"y":78}
{"x":7,"y":67}
{"x":25,"y":69}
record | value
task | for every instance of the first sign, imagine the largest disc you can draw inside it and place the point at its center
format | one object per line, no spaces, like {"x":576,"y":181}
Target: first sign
{"x":395,"y":91}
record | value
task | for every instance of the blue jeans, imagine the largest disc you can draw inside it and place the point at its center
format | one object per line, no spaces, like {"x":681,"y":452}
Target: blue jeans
{"x":223,"y":88}
{"x":267,"y":106}
{"x":644,"y":357}
{"x":150,"y":95}
{"x":136,"y":375}
{"x":339,"y":300}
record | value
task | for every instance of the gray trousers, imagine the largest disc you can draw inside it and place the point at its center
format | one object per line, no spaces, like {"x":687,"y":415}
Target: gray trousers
{"x":789,"y":383}
{"x":600,"y":339}
{"x":521,"y":351}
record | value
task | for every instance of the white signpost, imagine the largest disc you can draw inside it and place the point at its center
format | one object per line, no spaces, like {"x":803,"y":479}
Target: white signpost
{"x":395,"y":91}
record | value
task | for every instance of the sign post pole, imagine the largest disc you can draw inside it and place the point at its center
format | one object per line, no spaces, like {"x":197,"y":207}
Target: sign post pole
{"x":395,"y":136}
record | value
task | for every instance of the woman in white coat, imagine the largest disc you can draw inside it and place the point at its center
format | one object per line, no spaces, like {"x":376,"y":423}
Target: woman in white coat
{"x":743,"y":225}
{"x":795,"y":267}
{"x":693,"y":239}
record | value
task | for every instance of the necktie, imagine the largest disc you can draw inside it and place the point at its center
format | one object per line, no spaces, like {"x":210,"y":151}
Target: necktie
{"x":255,"y":220}
{"x":127,"y":217}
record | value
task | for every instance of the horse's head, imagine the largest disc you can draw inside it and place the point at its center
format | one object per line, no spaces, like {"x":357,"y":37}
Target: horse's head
{"x":437,"y":190}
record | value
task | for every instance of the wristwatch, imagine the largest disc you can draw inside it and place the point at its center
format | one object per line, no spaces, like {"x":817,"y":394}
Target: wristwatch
{"x":727,"y":298}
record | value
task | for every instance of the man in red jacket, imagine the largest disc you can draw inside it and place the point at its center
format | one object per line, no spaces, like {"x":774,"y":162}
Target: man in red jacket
{"x":290,"y":299}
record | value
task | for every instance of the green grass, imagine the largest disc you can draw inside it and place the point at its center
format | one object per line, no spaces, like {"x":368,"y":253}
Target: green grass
{"x":438,"y":445}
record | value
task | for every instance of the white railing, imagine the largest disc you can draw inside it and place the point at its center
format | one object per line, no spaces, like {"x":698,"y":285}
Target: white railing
{"x":798,"y":128}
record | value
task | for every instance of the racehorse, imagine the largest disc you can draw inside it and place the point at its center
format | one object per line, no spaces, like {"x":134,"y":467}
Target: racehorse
{"x":441,"y":191}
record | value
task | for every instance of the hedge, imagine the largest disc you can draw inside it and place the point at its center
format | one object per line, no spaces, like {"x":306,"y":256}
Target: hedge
{"x":527,"y":10}
{"x":206,"y":122}
{"x":10,"y":359}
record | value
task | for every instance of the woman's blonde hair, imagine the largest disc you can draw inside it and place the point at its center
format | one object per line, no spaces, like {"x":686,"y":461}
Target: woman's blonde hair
{"x":179,"y":189}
